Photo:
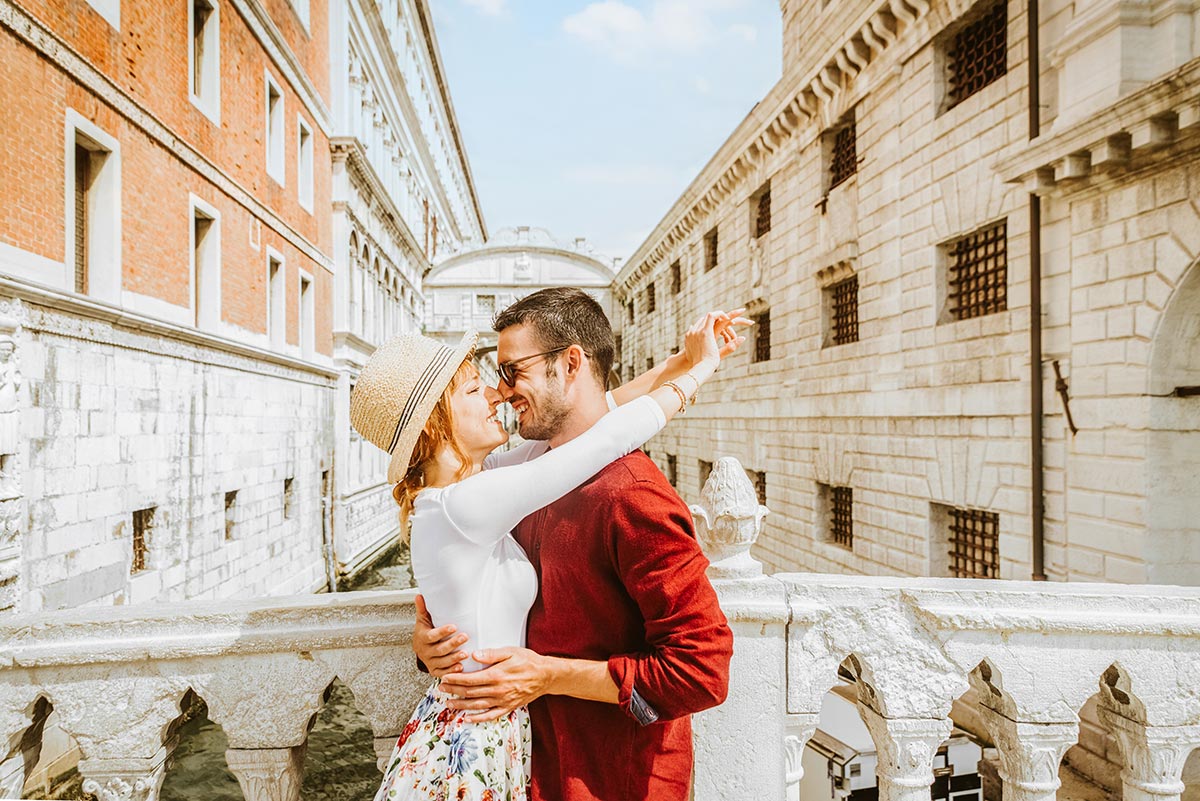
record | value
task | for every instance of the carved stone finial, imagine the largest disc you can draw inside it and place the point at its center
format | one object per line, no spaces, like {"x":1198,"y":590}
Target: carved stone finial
{"x":728,"y":521}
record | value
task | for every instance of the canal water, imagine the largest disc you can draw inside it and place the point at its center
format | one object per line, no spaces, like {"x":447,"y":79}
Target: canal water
{"x":339,"y":765}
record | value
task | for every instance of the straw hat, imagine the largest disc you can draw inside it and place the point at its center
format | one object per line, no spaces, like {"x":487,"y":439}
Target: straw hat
{"x":396,"y":392}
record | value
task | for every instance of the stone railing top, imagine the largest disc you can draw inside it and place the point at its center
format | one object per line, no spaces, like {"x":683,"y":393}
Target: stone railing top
{"x":207,"y":628}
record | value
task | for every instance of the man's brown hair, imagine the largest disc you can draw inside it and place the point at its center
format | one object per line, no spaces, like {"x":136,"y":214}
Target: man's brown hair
{"x":561,"y":317}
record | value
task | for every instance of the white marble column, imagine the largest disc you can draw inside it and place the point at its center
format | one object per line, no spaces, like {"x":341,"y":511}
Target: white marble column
{"x":129,"y":779}
{"x":905,"y":748}
{"x":1030,"y":754}
{"x":1153,"y":756}
{"x":268,"y":774}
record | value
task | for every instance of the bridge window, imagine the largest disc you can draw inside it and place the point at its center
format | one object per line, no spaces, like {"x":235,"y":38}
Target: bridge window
{"x":759,"y":479}
{"x":676,"y":277}
{"x":230,"y":514}
{"x":289,"y":505}
{"x":672,"y":469}
{"x":650,"y":297}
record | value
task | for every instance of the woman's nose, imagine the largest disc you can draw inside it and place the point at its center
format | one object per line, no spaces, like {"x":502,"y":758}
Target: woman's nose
{"x":493,"y":396}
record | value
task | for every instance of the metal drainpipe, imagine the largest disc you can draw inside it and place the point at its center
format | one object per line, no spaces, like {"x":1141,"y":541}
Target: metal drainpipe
{"x":1037,"y":462}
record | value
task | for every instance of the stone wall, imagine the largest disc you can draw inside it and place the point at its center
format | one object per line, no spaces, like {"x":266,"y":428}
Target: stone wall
{"x":923,"y":411}
{"x":118,"y":418}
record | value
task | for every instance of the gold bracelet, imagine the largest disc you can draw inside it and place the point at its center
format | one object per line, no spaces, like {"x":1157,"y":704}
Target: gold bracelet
{"x":696,"y":391}
{"x":679,"y":392}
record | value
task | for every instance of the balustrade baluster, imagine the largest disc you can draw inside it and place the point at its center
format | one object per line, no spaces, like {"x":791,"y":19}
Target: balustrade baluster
{"x":268,"y":774}
{"x":1153,"y":755}
{"x":905,"y":748}
{"x":1030,"y":754}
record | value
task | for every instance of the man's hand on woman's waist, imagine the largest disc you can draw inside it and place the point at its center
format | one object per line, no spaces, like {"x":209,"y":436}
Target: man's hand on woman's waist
{"x":438,"y":649}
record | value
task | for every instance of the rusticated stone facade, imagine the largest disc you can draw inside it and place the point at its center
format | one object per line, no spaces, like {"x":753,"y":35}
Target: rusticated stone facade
{"x":883,"y":408}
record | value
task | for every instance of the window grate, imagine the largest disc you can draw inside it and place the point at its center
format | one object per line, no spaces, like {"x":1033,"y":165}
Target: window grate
{"x":230,"y":514}
{"x":980,"y":54}
{"x":762,"y":215}
{"x":979,"y":273}
{"x":762,"y":336}
{"x":672,"y":469}
{"x":710,"y":250}
{"x":974,"y":543}
{"x":143,"y":522}
{"x":83,"y":179}
{"x":845,"y":160}
{"x":845,"y":311}
{"x":759,"y":479}
{"x":706,"y":469}
{"x":676,"y":277}
{"x":841,"y":516}
{"x":650,"y":304}
{"x":649,"y":363}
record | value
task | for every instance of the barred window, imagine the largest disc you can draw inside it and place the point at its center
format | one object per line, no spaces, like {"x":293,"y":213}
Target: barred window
{"x":841,"y":516}
{"x":629,"y":311}
{"x":759,"y":479}
{"x":649,"y":363}
{"x":977,"y":273}
{"x":710,"y":250}
{"x":978,"y":55}
{"x":672,"y":469}
{"x":650,"y":297}
{"x":762,"y":336}
{"x":705,"y":471}
{"x":676,"y":277}
{"x":974,"y":543}
{"x":618,"y":340}
{"x":762,"y":211}
{"x":143,"y":524}
{"x":230,"y":514}
{"x":843,"y":161}
{"x":843,"y":311}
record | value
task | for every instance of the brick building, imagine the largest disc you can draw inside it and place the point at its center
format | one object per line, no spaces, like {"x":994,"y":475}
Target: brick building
{"x":172,"y":270}
{"x":892,"y":211}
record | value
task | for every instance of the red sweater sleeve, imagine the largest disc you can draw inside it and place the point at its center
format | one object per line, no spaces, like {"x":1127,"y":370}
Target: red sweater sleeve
{"x":686,"y":666}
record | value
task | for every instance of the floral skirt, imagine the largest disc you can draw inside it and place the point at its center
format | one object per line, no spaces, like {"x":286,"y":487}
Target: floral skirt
{"x":441,"y":757}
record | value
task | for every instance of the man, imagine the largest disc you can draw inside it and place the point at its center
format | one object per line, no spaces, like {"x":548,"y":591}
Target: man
{"x":625,"y":617}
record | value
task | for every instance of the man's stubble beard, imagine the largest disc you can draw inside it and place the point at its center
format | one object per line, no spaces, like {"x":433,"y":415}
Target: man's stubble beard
{"x":553,"y":411}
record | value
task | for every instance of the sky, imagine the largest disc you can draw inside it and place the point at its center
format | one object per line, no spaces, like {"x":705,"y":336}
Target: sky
{"x":591,"y":118}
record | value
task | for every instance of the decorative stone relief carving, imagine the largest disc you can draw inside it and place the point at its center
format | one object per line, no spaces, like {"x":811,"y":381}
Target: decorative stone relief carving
{"x":1153,"y":756}
{"x":131,"y":779}
{"x":800,"y":729}
{"x":728,"y":521}
{"x":1030,"y":754}
{"x":268,"y":774}
{"x":906,"y":747}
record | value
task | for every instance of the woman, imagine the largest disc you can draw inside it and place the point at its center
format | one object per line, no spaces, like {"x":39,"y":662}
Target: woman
{"x":425,"y":404}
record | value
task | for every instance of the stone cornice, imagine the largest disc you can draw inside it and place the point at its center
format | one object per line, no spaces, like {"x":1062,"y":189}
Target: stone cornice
{"x":472,"y":255}
{"x":797,"y":100}
{"x":351,"y":151}
{"x":71,"y":315}
{"x":1146,"y":120}
{"x":439,"y":73}
{"x":258,"y":19}
{"x":61,"y":55}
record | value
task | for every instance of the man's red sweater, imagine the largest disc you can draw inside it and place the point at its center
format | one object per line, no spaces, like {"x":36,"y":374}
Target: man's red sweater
{"x":622,"y":579}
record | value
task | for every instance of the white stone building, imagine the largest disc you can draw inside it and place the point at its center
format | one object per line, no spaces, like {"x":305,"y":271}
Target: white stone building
{"x":467,"y":290}
{"x":892,"y":210}
{"x":403,"y":199}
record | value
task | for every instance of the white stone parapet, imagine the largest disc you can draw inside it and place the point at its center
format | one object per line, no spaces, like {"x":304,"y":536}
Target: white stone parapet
{"x":1025,"y":656}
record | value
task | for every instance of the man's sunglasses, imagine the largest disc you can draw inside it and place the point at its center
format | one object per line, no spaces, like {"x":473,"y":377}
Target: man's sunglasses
{"x":508,"y":370}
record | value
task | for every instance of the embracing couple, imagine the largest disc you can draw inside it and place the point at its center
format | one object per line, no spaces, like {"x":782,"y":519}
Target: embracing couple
{"x":570,"y":627}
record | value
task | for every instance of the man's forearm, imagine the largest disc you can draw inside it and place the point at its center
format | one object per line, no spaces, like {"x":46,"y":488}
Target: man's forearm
{"x":580,"y":678}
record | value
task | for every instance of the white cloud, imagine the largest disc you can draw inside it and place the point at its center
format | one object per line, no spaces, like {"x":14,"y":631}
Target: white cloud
{"x":492,"y":8}
{"x":624,"y":32}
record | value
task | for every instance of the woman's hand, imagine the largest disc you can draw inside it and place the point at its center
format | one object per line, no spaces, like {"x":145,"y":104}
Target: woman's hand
{"x":700,"y":343}
{"x":725,"y":329}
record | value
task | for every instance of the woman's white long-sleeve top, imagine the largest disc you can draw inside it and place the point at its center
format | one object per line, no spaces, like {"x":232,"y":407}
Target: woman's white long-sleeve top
{"x":464,"y":558}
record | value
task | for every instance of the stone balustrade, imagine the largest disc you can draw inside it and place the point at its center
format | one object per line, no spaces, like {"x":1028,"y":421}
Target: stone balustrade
{"x":1024,"y":658}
